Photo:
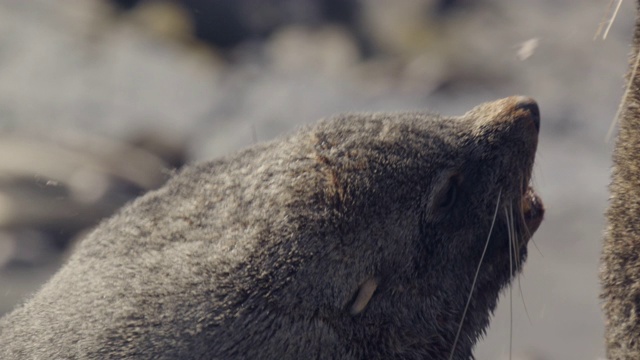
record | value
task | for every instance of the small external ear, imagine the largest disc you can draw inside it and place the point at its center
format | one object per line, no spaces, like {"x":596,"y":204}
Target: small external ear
{"x":444,"y":194}
{"x":365,"y":292}
{"x":448,"y":194}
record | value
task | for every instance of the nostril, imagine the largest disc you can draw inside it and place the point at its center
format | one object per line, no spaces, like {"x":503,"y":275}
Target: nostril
{"x":530,"y":105}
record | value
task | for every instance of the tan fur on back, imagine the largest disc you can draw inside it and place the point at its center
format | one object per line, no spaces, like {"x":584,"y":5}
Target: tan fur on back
{"x":620,"y":271}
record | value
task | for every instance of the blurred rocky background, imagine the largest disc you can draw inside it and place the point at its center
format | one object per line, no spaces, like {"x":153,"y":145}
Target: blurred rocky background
{"x":101,"y":100}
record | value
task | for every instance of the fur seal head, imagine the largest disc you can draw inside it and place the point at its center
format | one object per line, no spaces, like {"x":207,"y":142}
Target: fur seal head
{"x":423,"y":201}
{"x":364,"y":236}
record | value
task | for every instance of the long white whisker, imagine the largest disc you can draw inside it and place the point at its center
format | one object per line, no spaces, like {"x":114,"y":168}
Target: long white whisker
{"x":536,"y":246}
{"x":515,"y":239}
{"x":475,"y":277}
{"x":524,"y":228}
{"x":529,"y":235}
{"x":524,"y":304}
{"x":625,"y":96}
{"x":613,"y":17}
{"x":511,"y":232}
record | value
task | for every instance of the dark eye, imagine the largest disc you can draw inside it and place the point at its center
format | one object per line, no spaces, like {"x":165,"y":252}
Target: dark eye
{"x":449,"y":193}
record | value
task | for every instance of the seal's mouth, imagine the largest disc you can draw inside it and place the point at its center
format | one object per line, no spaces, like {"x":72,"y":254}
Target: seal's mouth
{"x":532,"y":209}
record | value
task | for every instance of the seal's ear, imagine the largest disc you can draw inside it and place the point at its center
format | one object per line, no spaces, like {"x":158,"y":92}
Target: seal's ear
{"x":365,"y":292}
{"x":443,"y":195}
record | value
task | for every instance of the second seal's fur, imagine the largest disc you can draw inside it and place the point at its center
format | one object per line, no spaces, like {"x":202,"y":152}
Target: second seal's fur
{"x":357,"y":238}
{"x":620,"y":272}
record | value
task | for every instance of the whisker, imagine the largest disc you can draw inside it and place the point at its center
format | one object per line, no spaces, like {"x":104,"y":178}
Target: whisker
{"x":536,"y":246}
{"x":507,"y":216}
{"x":604,"y":22}
{"x":625,"y":96}
{"x":529,"y":235}
{"x":526,"y":229}
{"x":524,"y":304}
{"x":510,"y":231}
{"x":475,"y":277}
{"x":514,"y":237}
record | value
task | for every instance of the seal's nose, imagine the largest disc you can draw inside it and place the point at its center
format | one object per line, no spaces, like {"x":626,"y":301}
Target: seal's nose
{"x":529,"y":106}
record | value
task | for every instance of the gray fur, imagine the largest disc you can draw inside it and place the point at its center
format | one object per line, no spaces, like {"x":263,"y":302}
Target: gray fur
{"x":260,"y":255}
{"x":620,"y":270}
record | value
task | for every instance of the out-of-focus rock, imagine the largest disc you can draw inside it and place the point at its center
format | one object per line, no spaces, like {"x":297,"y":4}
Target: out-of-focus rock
{"x":225,"y":23}
{"x":52,"y":188}
{"x":26,"y":247}
{"x":164,"y":18}
{"x":85,"y":69}
{"x":401,"y":28}
{"x":329,"y":50}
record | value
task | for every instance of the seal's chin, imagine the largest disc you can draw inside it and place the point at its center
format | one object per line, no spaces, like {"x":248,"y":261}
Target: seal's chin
{"x":532,"y":209}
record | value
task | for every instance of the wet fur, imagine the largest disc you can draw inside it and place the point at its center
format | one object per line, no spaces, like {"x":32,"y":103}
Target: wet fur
{"x":262,"y":254}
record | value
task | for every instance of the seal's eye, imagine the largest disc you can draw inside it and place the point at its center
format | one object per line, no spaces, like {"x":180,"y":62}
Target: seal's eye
{"x":447,"y":196}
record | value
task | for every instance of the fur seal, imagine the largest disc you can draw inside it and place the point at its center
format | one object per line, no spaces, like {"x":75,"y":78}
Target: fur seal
{"x":620,"y":262}
{"x":365,"y":236}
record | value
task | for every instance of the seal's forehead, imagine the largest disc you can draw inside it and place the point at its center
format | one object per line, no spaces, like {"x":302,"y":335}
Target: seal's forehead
{"x":406,"y":132}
